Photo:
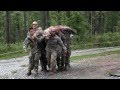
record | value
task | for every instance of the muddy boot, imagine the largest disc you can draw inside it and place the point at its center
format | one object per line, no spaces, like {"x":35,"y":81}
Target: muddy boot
{"x":29,"y":73}
{"x":45,"y":69}
{"x":36,"y":72}
{"x":62,"y":68}
{"x":67,"y":67}
{"x":59,"y":68}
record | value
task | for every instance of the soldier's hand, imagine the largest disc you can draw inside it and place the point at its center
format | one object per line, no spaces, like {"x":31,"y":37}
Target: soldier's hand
{"x":33,"y":37}
{"x":47,"y":37}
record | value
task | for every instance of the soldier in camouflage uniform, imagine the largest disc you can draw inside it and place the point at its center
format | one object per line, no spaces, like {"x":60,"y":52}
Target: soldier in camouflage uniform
{"x":53,"y":41}
{"x":67,"y":32}
{"x":35,"y":51}
{"x":61,"y":55}
{"x":43,"y":59}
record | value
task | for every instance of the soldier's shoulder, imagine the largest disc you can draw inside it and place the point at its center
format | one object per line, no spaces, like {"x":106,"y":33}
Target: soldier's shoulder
{"x":57,"y":37}
{"x":39,"y":28}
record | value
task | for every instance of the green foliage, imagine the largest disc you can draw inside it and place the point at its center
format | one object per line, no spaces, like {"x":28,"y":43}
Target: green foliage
{"x":11,"y":51}
{"x":11,"y":48}
{"x":91,"y":31}
{"x":94,"y":55}
{"x":106,"y":40}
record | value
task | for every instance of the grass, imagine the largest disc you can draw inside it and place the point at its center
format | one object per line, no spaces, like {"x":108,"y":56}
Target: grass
{"x":21,"y":53}
{"x":94,"y":55}
{"x":13,"y":51}
{"x":12,"y":55}
{"x":12,"y":47}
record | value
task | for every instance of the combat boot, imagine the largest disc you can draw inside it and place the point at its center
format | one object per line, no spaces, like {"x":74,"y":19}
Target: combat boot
{"x":45,"y":69}
{"x":62,"y":68}
{"x":36,"y":72}
{"x":67,"y":67}
{"x":59,"y":68}
{"x":29,"y":73}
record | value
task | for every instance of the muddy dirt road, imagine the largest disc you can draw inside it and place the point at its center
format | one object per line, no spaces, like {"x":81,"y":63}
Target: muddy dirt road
{"x":93,"y":68}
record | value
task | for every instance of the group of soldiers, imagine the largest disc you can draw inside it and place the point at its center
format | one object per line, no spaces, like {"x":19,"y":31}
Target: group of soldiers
{"x":50,"y":46}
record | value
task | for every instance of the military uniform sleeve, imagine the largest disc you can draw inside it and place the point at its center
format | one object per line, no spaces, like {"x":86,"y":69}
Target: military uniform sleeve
{"x":26,"y":43}
{"x":63,"y":38}
{"x":60,"y":42}
{"x":39,"y":39}
{"x":38,"y":32}
{"x":28,"y":34}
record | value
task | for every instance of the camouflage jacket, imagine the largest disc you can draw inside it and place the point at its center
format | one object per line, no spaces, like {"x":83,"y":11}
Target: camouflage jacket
{"x":68,"y":38}
{"x":54,"y":42}
{"x":62,"y":36}
{"x":35,"y":44}
{"x":38,"y":30}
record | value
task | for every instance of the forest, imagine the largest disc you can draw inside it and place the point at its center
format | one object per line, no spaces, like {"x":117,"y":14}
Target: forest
{"x":94,"y":28}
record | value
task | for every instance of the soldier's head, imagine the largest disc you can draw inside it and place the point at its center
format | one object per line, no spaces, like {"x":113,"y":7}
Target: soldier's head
{"x":52,"y":30}
{"x":35,"y":24}
{"x":57,"y":28}
{"x":31,"y":31}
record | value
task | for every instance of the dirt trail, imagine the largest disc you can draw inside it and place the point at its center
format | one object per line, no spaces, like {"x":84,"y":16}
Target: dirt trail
{"x":93,"y":68}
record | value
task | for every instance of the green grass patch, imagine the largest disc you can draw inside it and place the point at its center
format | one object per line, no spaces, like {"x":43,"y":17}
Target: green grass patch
{"x":94,"y":55}
{"x":13,"y":55}
{"x":11,"y":48}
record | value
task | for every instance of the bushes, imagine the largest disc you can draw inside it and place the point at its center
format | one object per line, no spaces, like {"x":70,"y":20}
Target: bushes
{"x":106,"y":40}
{"x":12,"y":47}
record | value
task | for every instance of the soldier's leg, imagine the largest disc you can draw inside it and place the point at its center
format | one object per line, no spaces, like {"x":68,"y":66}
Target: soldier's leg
{"x":59,"y":61}
{"x":67,"y":61}
{"x":53,"y":61}
{"x":48,"y":57}
{"x":69,"y":54}
{"x":31,"y":64}
{"x":63,"y":59}
{"x":43,"y":61}
{"x":36,"y":62}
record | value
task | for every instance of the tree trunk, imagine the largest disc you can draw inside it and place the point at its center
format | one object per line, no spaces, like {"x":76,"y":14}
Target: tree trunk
{"x":47,"y":19}
{"x":7,"y":27}
{"x":25,"y":30}
{"x":18,"y":28}
{"x":90,"y":21}
{"x":93,"y":22}
{"x":101,"y":23}
{"x":67,"y":14}
{"x":43,"y":20}
{"x":58,"y":18}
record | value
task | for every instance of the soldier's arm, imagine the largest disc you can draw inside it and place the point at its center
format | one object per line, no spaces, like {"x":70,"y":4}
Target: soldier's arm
{"x":40,"y":38}
{"x":26,"y":43}
{"x":63,"y":39}
{"x":38,"y":32}
{"x":60,"y":42}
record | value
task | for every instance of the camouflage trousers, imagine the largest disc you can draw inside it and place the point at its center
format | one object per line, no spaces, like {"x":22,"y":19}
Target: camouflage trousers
{"x":51,"y":56}
{"x":43,"y":60}
{"x":68,"y":54}
{"x":65,"y":58}
{"x":34,"y":61}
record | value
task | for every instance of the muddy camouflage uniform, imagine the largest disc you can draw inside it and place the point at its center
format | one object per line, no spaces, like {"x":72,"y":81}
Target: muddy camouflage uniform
{"x":52,"y":51}
{"x":61,"y":56}
{"x":68,"y":43}
{"x":42,"y":45}
{"x":34,"y":54}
